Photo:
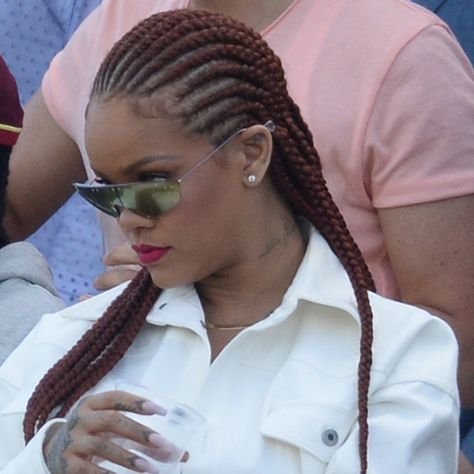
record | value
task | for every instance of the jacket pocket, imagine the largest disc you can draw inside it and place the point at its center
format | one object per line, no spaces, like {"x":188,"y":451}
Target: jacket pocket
{"x":318,"y":430}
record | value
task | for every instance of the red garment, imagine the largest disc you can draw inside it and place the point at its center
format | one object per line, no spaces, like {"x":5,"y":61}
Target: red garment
{"x":11,"y":113}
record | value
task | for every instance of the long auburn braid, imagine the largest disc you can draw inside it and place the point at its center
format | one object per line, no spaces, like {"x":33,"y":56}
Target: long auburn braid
{"x":215,"y":75}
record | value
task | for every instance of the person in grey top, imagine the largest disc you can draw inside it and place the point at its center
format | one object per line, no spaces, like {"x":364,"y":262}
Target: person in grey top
{"x":26,"y":283}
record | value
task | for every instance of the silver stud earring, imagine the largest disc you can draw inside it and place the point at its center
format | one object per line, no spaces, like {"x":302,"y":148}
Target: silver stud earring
{"x":252,"y":178}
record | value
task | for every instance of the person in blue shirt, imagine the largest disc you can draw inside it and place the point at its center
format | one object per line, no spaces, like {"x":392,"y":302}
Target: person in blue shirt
{"x":459,"y":15}
{"x":32,"y":32}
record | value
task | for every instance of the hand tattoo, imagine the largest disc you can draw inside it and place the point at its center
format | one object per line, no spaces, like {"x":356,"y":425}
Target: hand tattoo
{"x":59,"y":440}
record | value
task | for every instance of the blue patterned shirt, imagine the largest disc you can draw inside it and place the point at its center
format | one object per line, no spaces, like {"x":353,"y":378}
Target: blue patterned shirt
{"x":32,"y":32}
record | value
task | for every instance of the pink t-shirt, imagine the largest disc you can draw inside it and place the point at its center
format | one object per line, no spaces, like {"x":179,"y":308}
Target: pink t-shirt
{"x":384,"y":86}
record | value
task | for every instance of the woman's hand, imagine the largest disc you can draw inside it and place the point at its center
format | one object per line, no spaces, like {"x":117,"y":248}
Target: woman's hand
{"x":72,"y":447}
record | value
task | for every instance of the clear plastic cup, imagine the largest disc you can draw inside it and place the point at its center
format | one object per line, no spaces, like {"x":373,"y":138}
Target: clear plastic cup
{"x":177,"y":427}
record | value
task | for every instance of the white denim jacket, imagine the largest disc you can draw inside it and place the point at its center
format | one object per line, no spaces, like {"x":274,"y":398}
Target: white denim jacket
{"x":281,"y":398}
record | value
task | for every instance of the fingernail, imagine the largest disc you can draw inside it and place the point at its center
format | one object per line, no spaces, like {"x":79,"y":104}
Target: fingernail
{"x":145,"y":466}
{"x":152,"y":408}
{"x":157,"y":440}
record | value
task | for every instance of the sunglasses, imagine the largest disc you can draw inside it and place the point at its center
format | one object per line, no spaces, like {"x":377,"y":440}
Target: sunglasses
{"x":148,"y":199}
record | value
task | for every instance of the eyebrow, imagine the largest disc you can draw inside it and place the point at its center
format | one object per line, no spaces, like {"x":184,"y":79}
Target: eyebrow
{"x":149,"y":159}
{"x":140,"y":163}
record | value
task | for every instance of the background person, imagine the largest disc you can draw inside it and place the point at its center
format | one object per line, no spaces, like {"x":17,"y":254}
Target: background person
{"x":459,"y":15}
{"x":26,"y":285}
{"x":32,"y":32}
{"x":274,"y":338}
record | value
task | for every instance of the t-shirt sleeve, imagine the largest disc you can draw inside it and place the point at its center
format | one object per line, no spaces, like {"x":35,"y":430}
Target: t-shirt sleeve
{"x":67,"y":83}
{"x":419,"y":139}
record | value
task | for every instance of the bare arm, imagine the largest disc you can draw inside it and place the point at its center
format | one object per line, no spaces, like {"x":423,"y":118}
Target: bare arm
{"x":43,"y":165}
{"x":431,"y":248}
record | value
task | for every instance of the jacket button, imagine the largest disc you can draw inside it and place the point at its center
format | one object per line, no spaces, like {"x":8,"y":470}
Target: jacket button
{"x":330,"y":437}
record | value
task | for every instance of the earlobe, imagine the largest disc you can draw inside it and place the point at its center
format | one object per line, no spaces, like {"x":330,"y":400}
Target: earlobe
{"x":257,"y":146}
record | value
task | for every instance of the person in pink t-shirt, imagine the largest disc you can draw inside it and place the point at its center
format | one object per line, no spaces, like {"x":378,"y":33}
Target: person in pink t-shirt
{"x":388,"y":94}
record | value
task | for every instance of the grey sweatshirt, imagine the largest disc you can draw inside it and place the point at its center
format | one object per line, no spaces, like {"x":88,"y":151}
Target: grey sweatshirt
{"x":26,"y":293}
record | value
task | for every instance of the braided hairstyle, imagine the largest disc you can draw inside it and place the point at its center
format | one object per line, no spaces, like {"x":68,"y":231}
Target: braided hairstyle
{"x":214,"y":76}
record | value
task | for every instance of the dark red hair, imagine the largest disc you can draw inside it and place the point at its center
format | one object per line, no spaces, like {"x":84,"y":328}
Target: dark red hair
{"x":214,"y":76}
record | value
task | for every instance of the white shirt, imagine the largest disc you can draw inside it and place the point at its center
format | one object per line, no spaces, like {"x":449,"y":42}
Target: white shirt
{"x":275,"y":392}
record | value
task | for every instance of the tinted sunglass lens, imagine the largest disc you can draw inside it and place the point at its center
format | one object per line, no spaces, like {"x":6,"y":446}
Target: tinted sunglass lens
{"x":145,"y":199}
{"x":150,"y":199}
{"x":103,"y":198}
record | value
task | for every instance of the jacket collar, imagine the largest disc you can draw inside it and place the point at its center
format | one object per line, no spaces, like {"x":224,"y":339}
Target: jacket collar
{"x":320,"y":279}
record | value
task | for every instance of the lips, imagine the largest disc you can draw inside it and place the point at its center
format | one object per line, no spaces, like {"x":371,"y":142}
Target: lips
{"x":149,"y":253}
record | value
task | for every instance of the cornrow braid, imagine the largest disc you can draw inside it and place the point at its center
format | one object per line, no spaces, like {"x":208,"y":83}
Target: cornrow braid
{"x":215,"y":75}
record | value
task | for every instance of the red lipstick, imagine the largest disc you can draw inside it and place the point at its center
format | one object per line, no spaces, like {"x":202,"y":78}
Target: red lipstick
{"x":149,"y":253}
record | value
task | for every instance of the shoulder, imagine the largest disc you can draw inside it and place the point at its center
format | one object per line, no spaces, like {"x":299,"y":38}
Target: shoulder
{"x":118,"y":16}
{"x":66,"y":84}
{"x":353,"y":23}
{"x":53,"y":336}
{"x":410,"y":344}
{"x":22,"y":261}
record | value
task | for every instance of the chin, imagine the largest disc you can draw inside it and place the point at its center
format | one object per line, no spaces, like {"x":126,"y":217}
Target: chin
{"x":165,"y":281}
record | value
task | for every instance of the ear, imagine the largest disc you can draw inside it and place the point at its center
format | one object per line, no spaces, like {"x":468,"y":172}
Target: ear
{"x":257,"y":148}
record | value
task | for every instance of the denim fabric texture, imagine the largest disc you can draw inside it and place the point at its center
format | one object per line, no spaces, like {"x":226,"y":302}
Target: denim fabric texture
{"x":467,"y":434}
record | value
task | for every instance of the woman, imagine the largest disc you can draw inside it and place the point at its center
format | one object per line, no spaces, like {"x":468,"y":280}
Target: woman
{"x":391,"y":135}
{"x":242,"y":310}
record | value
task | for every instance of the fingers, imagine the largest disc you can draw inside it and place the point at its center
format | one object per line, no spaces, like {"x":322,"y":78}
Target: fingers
{"x":111,"y":278}
{"x":123,"y":401}
{"x":103,"y":413}
{"x":106,"y":416}
{"x":83,"y":466}
{"x":105,"y":449}
{"x":163,"y":450}
{"x":91,"y":428}
{"x":82,"y":452}
{"x":125,"y":265}
{"x":121,"y":255}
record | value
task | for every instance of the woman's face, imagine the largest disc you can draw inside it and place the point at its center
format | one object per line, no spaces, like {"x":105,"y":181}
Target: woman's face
{"x":205,"y":234}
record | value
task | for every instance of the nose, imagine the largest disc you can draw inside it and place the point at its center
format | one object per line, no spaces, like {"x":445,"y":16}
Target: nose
{"x":130,"y":221}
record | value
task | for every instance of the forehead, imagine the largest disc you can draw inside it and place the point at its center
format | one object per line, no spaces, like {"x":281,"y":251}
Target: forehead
{"x":116,"y":135}
{"x":117,"y":120}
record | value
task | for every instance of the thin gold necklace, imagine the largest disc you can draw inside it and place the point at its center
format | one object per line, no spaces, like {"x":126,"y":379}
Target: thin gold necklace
{"x":218,"y":327}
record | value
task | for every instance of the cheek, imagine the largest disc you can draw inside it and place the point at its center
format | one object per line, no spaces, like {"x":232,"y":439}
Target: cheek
{"x":203,"y":229}
{"x":203,"y":213}
{"x":207,"y":219}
